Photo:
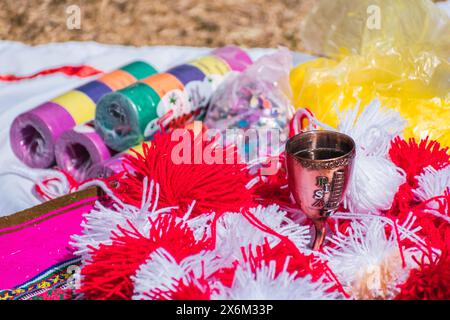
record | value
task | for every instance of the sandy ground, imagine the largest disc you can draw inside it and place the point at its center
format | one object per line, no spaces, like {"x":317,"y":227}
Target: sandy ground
{"x":250,"y":23}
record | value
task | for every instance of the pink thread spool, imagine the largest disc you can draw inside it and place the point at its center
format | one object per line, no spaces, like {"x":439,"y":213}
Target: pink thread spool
{"x":77,"y":150}
{"x":235,"y":57}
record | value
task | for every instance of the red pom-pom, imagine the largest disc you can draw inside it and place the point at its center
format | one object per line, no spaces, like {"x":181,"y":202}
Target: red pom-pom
{"x":413,"y":157}
{"x":107,"y":275}
{"x":298,"y":262}
{"x":273,"y":188}
{"x":403,"y":202}
{"x":303,"y":265}
{"x":433,"y":216}
{"x":216,"y":187}
{"x":191,"y":289}
{"x":431,"y":281}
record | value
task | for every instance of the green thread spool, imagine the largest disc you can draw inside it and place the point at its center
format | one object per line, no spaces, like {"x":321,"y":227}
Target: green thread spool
{"x":121,"y":117}
{"x":139,"y":69}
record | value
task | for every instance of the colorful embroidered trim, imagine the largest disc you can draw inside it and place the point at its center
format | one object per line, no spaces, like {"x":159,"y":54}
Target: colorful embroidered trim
{"x":56,"y":277}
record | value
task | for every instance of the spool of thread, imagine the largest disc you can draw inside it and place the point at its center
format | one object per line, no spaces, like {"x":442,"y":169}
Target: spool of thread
{"x":121,"y":117}
{"x":139,"y":70}
{"x":132,"y":115}
{"x":33,"y":134}
{"x":236,"y":57}
{"x":126,"y":117}
{"x":174,"y":103}
{"x":78,"y":149}
{"x":215,"y":68}
{"x":94,"y":90}
{"x":196,"y":86}
{"x":111,"y":166}
{"x":117,"y":79}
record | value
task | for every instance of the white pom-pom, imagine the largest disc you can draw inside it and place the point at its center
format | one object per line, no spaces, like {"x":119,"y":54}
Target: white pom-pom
{"x":276,"y":219}
{"x":432,"y":183}
{"x":160,"y":271}
{"x":373,"y":129}
{"x":162,"y":274}
{"x":367,"y":262}
{"x":373,"y":184}
{"x":264,"y":284}
{"x":99,"y":224}
{"x":235,"y":231}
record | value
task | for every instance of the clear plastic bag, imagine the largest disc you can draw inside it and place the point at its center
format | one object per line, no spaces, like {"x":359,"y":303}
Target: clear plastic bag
{"x":397,"y":51}
{"x":258,"y":98}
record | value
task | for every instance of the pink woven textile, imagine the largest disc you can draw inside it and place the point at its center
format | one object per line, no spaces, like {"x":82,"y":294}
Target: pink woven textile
{"x":32,"y":246}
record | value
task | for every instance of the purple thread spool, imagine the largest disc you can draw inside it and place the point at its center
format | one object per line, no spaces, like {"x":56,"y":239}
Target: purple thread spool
{"x":77,"y":150}
{"x":95,"y":90}
{"x":186,"y":73}
{"x":235,"y":57}
{"x":196,"y":85}
{"x":33,"y":134}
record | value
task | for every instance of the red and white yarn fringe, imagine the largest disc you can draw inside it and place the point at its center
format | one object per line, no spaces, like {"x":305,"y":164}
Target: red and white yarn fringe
{"x":203,"y":232}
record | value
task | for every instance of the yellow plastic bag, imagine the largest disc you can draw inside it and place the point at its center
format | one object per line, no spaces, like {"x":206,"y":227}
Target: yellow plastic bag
{"x":397,"y":51}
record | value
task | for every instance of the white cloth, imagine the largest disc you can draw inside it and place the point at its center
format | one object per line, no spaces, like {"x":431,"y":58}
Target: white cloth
{"x":16,"y":97}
